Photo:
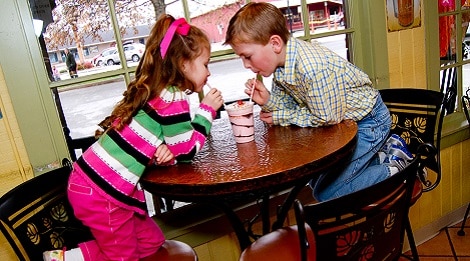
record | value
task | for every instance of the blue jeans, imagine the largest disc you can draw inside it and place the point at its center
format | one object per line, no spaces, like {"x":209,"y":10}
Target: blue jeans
{"x":363,"y":168}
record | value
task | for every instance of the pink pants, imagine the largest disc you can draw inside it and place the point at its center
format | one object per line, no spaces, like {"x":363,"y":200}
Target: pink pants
{"x":120,"y":234}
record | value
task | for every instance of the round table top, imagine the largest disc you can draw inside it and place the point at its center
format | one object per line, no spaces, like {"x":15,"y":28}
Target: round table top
{"x":278,"y":157}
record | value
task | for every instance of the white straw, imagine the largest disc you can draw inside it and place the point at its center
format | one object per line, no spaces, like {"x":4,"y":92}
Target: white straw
{"x":210,"y":87}
{"x":253,"y":88}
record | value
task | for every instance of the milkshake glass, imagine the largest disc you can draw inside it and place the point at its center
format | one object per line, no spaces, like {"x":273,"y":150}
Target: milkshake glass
{"x":240,"y":114}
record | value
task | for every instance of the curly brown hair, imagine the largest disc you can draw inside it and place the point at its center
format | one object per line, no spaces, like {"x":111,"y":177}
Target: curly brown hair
{"x":154,"y":73}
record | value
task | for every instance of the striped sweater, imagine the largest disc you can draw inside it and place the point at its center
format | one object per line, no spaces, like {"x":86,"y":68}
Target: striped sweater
{"x":114,"y":164}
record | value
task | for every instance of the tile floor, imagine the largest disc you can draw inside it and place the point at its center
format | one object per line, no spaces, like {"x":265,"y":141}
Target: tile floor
{"x":447,"y":245}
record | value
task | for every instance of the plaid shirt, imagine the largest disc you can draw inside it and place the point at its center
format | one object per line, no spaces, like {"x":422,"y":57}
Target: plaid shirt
{"x":317,"y":87}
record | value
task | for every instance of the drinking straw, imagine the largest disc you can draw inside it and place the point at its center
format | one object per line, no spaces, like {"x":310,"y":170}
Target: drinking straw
{"x":253,"y":88}
{"x":210,"y":87}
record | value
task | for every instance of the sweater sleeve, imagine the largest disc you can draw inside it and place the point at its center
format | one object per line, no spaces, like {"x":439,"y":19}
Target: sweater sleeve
{"x":184,"y":136}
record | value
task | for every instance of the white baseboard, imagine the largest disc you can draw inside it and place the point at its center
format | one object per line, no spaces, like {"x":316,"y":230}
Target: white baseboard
{"x":431,"y":230}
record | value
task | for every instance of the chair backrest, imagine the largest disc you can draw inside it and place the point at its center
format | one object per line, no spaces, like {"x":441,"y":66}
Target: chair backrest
{"x":449,"y":87}
{"x":35,"y":216}
{"x":80,"y":144}
{"x":417,"y":117}
{"x":365,"y":225}
{"x":466,"y":104}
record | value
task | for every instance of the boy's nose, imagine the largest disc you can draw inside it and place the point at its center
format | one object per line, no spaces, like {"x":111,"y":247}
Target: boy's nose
{"x":246,"y":64}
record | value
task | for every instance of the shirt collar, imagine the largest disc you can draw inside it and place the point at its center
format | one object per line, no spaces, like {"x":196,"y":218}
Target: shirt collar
{"x":287,"y":73}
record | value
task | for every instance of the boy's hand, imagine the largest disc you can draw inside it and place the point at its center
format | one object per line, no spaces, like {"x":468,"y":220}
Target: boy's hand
{"x":163,"y":155}
{"x":213,"y":98}
{"x":261,"y":93}
{"x":266,"y":117}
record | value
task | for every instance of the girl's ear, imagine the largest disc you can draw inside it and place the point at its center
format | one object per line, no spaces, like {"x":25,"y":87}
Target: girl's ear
{"x":276,"y":43}
{"x":184,"y":65}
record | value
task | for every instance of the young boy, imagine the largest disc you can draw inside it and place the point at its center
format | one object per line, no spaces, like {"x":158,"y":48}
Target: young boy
{"x":313,"y":86}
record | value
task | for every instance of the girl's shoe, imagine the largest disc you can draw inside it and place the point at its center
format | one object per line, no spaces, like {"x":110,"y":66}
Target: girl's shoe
{"x":53,"y":255}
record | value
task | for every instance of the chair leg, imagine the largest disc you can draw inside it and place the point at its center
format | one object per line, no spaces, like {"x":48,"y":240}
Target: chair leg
{"x":411,"y":240}
{"x":461,"y":232}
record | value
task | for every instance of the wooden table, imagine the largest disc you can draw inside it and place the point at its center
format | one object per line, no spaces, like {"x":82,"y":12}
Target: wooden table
{"x":279,"y":158}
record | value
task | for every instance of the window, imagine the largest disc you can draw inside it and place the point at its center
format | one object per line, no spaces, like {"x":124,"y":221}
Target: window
{"x":99,"y":37}
{"x":106,"y":38}
{"x":454,"y":47}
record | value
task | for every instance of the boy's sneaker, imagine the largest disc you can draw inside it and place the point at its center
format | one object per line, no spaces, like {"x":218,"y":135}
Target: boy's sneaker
{"x":53,"y":255}
{"x":398,"y":157}
{"x":394,"y":139}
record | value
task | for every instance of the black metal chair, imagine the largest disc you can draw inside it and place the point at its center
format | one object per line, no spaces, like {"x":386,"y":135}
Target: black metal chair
{"x":449,"y":86}
{"x":417,"y":117}
{"x":36,"y":216}
{"x":465,"y":106}
{"x":365,"y":225}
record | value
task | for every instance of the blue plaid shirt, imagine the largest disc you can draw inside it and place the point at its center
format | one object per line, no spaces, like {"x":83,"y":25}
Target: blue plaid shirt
{"x":318,"y":87}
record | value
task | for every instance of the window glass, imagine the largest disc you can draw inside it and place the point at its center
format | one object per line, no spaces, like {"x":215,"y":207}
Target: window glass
{"x":78,"y":26}
{"x":85,"y":107}
{"x":87,"y":29}
{"x":322,"y":16}
{"x":454,"y":49}
{"x":135,"y":20}
{"x":447,"y":41}
{"x":336,"y":43}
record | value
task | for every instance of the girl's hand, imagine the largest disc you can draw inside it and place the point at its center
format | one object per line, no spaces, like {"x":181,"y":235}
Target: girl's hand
{"x":261,"y":93}
{"x":213,"y":98}
{"x":163,"y":155}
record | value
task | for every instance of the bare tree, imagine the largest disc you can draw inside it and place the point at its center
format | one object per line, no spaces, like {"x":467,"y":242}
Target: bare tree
{"x":76,"y":20}
{"x":159,"y":6}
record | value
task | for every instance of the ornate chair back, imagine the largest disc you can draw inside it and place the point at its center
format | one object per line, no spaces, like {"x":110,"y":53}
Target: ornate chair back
{"x":365,"y":225}
{"x":417,"y":117}
{"x":35,"y":216}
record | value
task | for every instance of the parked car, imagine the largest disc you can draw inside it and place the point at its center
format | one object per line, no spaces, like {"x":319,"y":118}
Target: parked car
{"x":97,"y":61}
{"x":133,"y":52}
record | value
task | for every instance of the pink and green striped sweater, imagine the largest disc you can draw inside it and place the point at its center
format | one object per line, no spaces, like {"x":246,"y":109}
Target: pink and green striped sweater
{"x":114,"y":164}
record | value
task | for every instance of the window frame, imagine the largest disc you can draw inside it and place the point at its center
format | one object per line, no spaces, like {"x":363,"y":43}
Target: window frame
{"x":454,"y":129}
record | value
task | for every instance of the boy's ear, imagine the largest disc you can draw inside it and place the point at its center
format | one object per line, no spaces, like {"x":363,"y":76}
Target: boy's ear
{"x":276,"y":43}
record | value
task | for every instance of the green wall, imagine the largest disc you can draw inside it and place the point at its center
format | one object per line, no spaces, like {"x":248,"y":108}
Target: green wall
{"x":25,"y":77}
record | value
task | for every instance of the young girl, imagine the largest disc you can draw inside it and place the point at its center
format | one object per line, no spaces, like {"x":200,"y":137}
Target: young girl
{"x":151,"y":124}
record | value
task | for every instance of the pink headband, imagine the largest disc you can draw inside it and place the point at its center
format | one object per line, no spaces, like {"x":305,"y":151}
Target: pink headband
{"x":179,"y":26}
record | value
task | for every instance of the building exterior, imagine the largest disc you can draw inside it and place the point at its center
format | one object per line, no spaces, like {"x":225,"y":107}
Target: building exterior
{"x":214,"y":23}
